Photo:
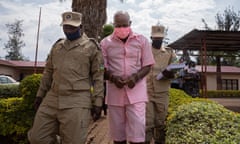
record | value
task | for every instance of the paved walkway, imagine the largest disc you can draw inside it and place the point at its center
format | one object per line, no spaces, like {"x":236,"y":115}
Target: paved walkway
{"x":230,"y":103}
{"x":98,"y":132}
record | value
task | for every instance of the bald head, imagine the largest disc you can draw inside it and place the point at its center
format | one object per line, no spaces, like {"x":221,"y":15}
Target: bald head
{"x":121,"y":19}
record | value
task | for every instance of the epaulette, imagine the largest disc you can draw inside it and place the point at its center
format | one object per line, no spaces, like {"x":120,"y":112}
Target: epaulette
{"x":168,"y":48}
{"x":95,"y":42}
{"x":58,"y":41}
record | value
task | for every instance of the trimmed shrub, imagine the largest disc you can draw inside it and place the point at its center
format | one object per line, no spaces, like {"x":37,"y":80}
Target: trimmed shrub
{"x":10,"y":116}
{"x":203,"y":123}
{"x":17,"y":114}
{"x":179,"y":97}
{"x":223,"y":93}
{"x":11,"y":90}
{"x":28,"y":88}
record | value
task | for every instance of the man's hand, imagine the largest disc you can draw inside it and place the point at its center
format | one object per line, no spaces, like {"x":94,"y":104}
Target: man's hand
{"x":132,"y":80}
{"x":168,"y":74}
{"x":118,"y":81}
{"x":96,"y":112}
{"x":37,"y":102}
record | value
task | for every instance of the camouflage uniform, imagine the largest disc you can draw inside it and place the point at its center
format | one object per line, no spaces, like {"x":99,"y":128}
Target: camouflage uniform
{"x":70,"y":69}
{"x":158,"y":93}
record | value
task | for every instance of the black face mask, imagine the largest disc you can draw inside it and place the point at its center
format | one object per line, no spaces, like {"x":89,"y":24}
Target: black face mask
{"x":156,"y":43}
{"x":73,"y":36}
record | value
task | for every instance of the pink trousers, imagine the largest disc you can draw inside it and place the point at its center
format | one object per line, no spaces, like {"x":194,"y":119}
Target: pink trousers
{"x":127,"y":122}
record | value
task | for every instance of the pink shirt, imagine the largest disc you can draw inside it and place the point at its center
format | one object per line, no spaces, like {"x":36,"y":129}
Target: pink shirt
{"x":124,"y":59}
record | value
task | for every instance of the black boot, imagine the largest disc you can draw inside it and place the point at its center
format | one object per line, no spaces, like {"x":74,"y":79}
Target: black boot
{"x":160,"y":134}
{"x":120,"y":142}
{"x":160,"y":142}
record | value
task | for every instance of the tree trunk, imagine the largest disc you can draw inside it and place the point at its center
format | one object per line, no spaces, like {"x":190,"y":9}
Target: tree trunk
{"x":94,"y":15}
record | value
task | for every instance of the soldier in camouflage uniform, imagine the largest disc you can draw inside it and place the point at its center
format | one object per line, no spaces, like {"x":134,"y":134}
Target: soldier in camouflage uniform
{"x":158,"y":90}
{"x":63,"y":102}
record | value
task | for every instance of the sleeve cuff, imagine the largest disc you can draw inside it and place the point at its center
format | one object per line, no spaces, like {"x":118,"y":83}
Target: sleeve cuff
{"x":98,"y":102}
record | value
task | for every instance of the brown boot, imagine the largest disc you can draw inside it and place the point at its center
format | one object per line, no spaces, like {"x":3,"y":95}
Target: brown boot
{"x":120,"y":142}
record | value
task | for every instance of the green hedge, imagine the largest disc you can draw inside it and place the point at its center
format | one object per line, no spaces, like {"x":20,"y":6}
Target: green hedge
{"x":17,"y":114}
{"x":10,"y":113}
{"x":223,"y":93}
{"x":28,"y":89}
{"x":190,"y":120}
{"x":200,"y":121}
{"x":179,"y":97}
{"x":11,"y":90}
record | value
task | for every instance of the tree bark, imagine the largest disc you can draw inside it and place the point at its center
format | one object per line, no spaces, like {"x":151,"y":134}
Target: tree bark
{"x":94,"y":15}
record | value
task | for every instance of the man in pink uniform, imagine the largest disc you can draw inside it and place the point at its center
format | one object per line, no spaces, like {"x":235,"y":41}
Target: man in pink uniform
{"x":127,"y":59}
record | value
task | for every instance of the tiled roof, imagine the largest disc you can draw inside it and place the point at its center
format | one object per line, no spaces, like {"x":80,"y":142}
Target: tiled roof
{"x":22,"y":63}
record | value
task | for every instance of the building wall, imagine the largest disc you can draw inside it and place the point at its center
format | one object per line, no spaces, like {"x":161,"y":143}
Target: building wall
{"x":212,"y":81}
{"x":9,"y":71}
{"x":18,"y":73}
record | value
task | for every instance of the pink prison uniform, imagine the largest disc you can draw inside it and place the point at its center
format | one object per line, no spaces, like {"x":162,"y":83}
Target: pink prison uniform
{"x":124,"y":59}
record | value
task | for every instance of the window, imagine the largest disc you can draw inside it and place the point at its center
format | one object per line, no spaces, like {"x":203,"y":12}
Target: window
{"x":4,"y":80}
{"x":7,"y":80}
{"x":229,"y":84}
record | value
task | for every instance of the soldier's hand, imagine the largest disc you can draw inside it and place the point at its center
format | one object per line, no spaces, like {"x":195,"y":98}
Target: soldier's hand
{"x":96,"y":112}
{"x":118,"y":81}
{"x":37,"y":102}
{"x":168,"y":74}
{"x":132,"y":80}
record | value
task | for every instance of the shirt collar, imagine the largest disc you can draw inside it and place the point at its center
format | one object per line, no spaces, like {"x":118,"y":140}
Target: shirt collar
{"x":71,"y":44}
{"x":163,"y":49}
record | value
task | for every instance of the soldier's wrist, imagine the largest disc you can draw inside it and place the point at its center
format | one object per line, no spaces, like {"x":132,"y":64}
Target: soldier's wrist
{"x":98,"y":102}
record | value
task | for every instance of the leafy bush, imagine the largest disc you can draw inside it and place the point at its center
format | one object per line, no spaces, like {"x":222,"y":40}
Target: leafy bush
{"x":17,"y":114}
{"x":7,"y":91}
{"x":9,"y":116}
{"x":28,"y":88}
{"x":203,"y":122}
{"x":223,"y":93}
{"x":14,"y":121}
{"x":179,"y":97}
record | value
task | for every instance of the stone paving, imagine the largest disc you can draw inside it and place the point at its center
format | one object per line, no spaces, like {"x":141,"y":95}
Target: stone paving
{"x":98,"y":132}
